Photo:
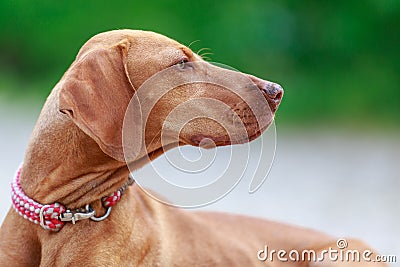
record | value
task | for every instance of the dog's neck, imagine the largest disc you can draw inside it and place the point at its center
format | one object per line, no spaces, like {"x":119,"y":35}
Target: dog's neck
{"x":65,"y":174}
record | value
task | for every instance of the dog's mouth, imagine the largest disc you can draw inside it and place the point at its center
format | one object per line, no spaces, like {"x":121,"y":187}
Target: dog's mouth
{"x":208,"y":141}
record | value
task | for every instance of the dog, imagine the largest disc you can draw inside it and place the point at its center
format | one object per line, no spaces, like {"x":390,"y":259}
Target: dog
{"x":75,"y":157}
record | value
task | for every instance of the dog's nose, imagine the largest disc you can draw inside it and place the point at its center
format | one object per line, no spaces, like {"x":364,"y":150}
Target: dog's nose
{"x":274,"y":92}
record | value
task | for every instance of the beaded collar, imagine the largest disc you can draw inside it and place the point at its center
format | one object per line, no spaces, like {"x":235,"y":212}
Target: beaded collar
{"x":54,"y":216}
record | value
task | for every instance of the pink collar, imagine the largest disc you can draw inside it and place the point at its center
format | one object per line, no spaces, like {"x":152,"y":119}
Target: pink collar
{"x":53,"y":216}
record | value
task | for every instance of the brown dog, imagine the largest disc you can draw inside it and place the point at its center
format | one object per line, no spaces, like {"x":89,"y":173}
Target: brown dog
{"x":76,"y":156}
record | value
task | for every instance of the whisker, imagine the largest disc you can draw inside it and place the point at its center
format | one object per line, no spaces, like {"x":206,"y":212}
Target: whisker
{"x":195,"y":41}
{"x":206,"y":58}
{"x":202,"y":49}
{"x":206,"y":53}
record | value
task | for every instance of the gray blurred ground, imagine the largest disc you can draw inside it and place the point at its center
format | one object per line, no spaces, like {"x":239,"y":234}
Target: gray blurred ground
{"x":343,"y":183}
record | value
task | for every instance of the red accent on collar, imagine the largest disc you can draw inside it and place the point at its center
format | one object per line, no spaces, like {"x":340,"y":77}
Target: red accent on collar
{"x":50,"y":216}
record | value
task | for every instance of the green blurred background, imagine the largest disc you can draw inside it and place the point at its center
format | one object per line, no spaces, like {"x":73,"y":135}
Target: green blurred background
{"x":337,"y":60}
{"x":336,"y":167}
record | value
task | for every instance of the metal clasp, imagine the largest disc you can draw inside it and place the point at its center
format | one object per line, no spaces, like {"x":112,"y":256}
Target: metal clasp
{"x":41,"y":216}
{"x":99,"y":219}
{"x":77,"y":215}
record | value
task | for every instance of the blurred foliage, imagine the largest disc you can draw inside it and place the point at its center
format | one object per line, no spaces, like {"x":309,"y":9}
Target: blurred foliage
{"x":339,"y":61}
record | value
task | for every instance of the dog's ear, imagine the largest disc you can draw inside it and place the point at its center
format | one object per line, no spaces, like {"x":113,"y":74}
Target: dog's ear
{"x":95,"y":93}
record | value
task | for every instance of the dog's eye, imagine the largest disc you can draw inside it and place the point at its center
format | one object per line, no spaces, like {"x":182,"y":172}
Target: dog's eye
{"x":182,"y":64}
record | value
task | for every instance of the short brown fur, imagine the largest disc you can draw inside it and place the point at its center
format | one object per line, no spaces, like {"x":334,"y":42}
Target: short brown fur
{"x":74,"y":158}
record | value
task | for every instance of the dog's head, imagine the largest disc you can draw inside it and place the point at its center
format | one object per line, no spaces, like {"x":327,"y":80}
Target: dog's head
{"x":181,"y":98}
